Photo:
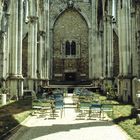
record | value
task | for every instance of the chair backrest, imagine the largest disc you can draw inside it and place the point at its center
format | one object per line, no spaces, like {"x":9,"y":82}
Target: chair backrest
{"x":107,"y":107}
{"x":95,"y":105}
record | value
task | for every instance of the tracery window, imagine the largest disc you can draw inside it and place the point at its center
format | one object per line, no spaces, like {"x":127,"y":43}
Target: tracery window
{"x":67,"y":48}
{"x":73,"y":48}
{"x":70,"y":48}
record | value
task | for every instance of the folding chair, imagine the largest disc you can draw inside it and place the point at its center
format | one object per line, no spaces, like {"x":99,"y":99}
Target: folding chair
{"x":95,"y":108}
{"x":59,"y":105}
{"x":107,"y":108}
{"x":84,"y":108}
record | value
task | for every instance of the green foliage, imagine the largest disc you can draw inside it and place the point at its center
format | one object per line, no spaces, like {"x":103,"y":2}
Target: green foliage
{"x":122,"y":117}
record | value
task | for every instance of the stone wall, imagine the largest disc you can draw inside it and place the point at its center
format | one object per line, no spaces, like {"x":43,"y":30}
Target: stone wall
{"x":70,"y":26}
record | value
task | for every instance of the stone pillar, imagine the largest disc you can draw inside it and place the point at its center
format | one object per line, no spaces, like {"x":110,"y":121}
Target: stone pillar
{"x":32,"y":46}
{"x":48,"y":42}
{"x":108,"y":46}
{"x":44,"y":54}
{"x":41,"y":41}
{"x":14,"y":51}
{"x":138,"y":37}
{"x":124,"y":26}
{"x":13,"y":32}
{"x":1,"y":12}
{"x":93,"y":48}
{"x":2,"y":42}
{"x":4,"y":48}
{"x":136,"y":51}
{"x":19,"y":49}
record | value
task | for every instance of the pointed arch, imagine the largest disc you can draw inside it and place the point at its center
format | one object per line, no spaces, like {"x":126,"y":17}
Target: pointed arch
{"x":73,"y":48}
{"x":67,"y":48}
{"x":83,"y":15}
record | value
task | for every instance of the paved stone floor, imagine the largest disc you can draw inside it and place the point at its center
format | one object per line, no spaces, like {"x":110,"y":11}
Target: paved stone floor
{"x":68,"y":128}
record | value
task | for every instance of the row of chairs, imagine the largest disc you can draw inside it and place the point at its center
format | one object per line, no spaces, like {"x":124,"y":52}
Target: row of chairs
{"x":88,"y":104}
{"x":50,"y":105}
{"x":92,"y":109}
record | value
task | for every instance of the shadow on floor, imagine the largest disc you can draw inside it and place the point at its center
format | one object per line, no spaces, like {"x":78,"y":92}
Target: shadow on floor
{"x":39,"y":131}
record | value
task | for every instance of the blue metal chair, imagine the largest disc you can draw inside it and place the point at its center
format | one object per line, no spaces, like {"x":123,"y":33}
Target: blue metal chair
{"x":107,"y":108}
{"x":95,"y":108}
{"x":59,"y":105}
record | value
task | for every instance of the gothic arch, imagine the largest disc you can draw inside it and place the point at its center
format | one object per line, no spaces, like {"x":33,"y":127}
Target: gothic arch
{"x":70,"y":26}
{"x":83,"y":15}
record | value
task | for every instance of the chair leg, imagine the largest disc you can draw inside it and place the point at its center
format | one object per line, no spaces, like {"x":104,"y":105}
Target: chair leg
{"x":61,"y":112}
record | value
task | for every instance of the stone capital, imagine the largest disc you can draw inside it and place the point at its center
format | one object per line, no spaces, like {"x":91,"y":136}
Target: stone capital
{"x":32,"y":19}
{"x":42,"y":33}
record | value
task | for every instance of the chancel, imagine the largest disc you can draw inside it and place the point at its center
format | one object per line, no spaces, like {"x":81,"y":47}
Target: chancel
{"x":48,"y":42}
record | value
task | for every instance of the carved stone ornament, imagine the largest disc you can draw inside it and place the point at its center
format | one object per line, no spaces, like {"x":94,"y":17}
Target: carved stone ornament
{"x":42,"y":33}
{"x":70,"y":3}
{"x":2,"y":33}
{"x":32,"y":19}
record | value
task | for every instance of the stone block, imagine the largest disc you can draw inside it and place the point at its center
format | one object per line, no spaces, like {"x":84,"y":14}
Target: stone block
{"x":138,"y":119}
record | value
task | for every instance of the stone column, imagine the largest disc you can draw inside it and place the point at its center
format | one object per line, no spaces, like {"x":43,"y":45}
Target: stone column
{"x":32,"y":46}
{"x":2,"y":42}
{"x":7,"y":47}
{"x":13,"y":48}
{"x":43,"y":40}
{"x":137,"y":26}
{"x":13,"y":37}
{"x":108,"y":44}
{"x":42,"y":36}
{"x":48,"y":42}
{"x":124,"y":26}
{"x":44,"y":54}
{"x":93,"y":48}
{"x":19,"y":55}
{"x":124,"y":41}
{"x":4,"y":46}
{"x":134,"y":54}
{"x":1,"y":12}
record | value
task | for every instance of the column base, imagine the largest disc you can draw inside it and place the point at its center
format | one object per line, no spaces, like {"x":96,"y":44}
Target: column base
{"x":125,"y":89}
{"x":15,"y":84}
{"x":135,"y":89}
{"x":32,"y":84}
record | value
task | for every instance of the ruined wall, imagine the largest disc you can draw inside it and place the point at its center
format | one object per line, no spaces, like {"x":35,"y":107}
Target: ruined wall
{"x":72,"y":27}
{"x":67,"y":23}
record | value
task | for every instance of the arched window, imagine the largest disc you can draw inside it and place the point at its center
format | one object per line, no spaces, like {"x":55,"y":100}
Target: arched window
{"x":73,"y":48}
{"x":70,"y":48}
{"x":67,"y":48}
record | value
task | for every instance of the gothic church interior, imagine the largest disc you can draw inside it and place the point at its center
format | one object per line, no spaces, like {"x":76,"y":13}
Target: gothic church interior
{"x":58,"y":42}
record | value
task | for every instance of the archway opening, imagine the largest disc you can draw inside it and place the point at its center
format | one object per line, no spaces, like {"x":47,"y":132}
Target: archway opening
{"x":70,"y":45}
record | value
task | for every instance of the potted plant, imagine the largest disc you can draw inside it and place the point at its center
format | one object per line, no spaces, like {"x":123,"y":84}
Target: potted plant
{"x":4,"y":91}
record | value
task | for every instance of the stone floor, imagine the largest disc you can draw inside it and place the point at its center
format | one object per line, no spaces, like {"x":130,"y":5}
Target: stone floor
{"x":69,"y":127}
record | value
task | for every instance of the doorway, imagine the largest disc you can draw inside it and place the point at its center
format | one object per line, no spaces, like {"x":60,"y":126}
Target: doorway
{"x":70,"y":76}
